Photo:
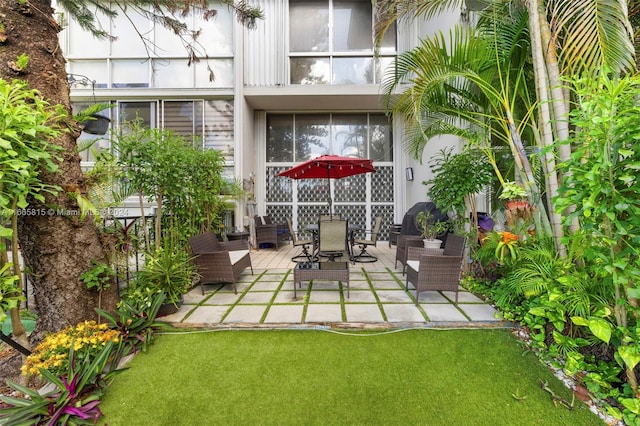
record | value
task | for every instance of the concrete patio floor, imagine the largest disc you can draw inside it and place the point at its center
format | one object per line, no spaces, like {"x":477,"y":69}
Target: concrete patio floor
{"x":377,"y":299}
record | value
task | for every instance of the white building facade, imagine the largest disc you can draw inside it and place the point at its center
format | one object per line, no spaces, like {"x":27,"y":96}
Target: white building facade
{"x":305,"y":82}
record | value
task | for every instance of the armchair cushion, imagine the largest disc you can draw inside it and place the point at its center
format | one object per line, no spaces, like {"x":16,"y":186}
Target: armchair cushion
{"x":237,"y":255}
{"x":414,"y":253}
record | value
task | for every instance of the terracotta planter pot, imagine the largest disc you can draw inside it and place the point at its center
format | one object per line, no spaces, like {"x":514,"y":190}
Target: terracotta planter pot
{"x":516,"y":204}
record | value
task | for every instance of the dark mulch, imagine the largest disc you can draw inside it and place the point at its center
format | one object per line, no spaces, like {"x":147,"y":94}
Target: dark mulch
{"x":10,"y":363}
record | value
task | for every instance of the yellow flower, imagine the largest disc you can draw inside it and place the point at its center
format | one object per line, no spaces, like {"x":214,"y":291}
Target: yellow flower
{"x":87,"y":339}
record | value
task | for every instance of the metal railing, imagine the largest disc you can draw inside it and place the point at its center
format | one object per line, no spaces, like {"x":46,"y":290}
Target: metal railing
{"x":128,"y":239}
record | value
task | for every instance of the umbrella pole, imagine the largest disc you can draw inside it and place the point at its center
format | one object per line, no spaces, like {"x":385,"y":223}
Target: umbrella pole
{"x":329,"y":197}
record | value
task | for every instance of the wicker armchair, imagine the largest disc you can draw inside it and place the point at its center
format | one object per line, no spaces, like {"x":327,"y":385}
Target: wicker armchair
{"x":454,"y":245}
{"x":414,"y":253}
{"x":402,"y":249}
{"x":219,"y":262}
{"x":433,"y":272}
{"x":268,"y":232}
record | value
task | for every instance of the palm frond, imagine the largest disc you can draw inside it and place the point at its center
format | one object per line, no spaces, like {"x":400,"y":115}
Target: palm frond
{"x":453,"y":78}
{"x":390,"y":11}
{"x":592,"y":34}
{"x":85,"y":144}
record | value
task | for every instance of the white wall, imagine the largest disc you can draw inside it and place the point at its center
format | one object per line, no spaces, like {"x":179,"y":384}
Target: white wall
{"x":415,"y":191}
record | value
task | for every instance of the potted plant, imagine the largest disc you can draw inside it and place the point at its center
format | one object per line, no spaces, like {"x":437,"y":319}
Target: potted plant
{"x":166,"y":271}
{"x":514,"y":195}
{"x":97,"y":124}
{"x":458,"y":178}
{"x":431,"y":229}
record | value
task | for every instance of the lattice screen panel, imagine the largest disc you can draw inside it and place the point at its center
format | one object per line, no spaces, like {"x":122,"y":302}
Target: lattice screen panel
{"x":351,"y":189}
{"x":279,"y":212}
{"x":387,"y":220}
{"x":382,"y":184}
{"x":279,"y":189}
{"x":310,"y":214}
{"x":313,"y":190}
{"x":353,"y":213}
{"x":350,"y":198}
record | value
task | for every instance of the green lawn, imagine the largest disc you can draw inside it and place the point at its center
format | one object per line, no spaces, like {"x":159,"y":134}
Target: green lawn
{"x":293,"y":377}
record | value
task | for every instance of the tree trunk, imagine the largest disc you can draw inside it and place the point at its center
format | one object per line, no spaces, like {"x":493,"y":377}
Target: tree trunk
{"x":545,"y":127}
{"x":559,"y":103}
{"x":57,"y":247}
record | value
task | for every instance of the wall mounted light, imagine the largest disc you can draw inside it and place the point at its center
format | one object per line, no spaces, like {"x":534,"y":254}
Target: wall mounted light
{"x":409,"y":173}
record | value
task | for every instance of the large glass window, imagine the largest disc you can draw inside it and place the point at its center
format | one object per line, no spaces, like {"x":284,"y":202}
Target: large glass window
{"x":311,"y":18}
{"x":280,"y":138}
{"x":331,"y":42}
{"x":144,"y":54}
{"x":207,"y":123}
{"x":294,"y":138}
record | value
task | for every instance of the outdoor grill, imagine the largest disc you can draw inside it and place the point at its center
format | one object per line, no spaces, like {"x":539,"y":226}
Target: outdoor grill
{"x":409,"y":222}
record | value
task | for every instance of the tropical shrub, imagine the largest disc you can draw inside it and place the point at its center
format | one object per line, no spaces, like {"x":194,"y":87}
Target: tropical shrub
{"x":76,"y":396}
{"x":184,"y":181}
{"x":457,"y":179}
{"x":602,"y":190}
{"x":168,"y":270}
{"x":27,"y":124}
{"x":135,"y":319}
{"x":567,"y":311}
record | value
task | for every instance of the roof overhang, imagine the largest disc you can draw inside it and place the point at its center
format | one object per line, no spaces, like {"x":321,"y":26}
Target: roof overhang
{"x":315,"y":98}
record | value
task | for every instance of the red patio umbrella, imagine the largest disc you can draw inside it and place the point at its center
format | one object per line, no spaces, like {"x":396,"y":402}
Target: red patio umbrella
{"x":330,"y":167}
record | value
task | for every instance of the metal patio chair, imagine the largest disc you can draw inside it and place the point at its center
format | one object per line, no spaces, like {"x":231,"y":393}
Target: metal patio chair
{"x":297,"y":242}
{"x":332,"y":238}
{"x":364,"y":256}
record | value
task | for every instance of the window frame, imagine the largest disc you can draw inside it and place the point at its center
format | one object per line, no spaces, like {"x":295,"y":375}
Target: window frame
{"x":377,"y":57}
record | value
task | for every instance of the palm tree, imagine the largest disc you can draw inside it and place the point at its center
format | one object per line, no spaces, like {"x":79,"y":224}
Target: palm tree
{"x":587,"y":36}
{"x":566,"y":38}
{"x":474,"y":84}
